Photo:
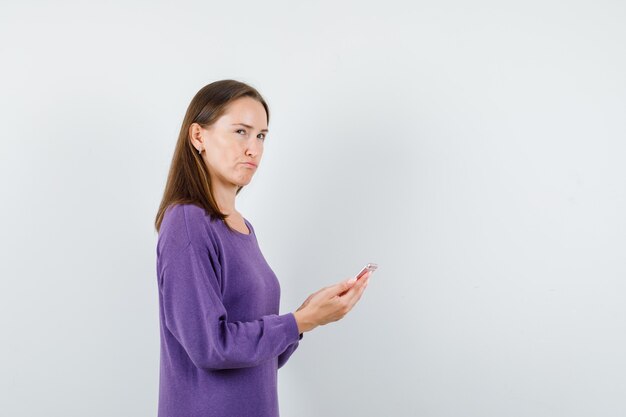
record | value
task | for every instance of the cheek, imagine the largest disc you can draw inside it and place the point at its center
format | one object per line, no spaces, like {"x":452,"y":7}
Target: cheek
{"x":220,"y":162}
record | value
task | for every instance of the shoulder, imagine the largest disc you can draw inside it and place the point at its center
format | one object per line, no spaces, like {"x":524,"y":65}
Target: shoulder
{"x":183,"y":224}
{"x":186,"y":228}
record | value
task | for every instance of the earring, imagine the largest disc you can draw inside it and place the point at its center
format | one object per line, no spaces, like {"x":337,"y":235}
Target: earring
{"x":200,"y":151}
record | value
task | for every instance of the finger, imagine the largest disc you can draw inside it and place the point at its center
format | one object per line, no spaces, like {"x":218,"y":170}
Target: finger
{"x":361,"y":281}
{"x":364,"y":281}
{"x":357,"y":284}
{"x":355,"y":292}
{"x":342,"y":287}
{"x":361,"y":291}
{"x":321,"y":290}
{"x":358,"y":297}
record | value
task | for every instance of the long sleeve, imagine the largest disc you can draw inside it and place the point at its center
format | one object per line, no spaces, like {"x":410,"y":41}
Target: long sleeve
{"x":196,"y":317}
{"x":284,"y":357}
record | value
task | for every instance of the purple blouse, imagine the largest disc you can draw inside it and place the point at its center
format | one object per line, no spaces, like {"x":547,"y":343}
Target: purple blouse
{"x":222,"y":339}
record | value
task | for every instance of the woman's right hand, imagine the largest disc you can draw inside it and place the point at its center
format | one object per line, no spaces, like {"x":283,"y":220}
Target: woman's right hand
{"x":330,"y":303}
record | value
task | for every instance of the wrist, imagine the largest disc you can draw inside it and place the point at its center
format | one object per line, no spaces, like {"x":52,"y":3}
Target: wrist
{"x":303,"y":321}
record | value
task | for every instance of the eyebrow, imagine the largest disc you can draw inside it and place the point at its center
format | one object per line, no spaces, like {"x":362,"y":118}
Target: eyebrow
{"x":249,"y":127}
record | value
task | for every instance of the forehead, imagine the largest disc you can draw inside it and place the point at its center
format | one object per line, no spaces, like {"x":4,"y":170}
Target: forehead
{"x":245,"y":110}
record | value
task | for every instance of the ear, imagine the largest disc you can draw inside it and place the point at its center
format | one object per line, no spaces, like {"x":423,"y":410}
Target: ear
{"x":195,"y":136}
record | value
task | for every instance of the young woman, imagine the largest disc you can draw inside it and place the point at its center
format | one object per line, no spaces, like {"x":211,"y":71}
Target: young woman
{"x":222,"y":338}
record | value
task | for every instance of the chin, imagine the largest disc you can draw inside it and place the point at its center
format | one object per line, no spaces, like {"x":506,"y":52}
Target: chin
{"x":243,"y":183}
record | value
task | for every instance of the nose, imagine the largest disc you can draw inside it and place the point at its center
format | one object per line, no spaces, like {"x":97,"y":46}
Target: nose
{"x":253,"y":147}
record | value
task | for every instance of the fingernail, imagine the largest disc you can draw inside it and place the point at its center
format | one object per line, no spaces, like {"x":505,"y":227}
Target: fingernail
{"x":352,"y":281}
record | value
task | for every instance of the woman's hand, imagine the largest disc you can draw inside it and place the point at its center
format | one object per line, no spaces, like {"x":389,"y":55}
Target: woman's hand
{"x":306,"y":302}
{"x":330,"y":304}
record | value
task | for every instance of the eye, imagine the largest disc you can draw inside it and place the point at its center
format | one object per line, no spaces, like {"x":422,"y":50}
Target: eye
{"x":243,"y":130}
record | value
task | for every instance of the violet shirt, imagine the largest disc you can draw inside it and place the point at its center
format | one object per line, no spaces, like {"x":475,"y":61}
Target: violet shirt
{"x":222,"y":339}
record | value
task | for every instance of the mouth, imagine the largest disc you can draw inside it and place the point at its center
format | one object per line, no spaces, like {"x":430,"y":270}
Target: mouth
{"x":250,"y":164}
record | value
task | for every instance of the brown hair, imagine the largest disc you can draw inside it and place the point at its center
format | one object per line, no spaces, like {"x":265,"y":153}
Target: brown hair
{"x":188,"y":180}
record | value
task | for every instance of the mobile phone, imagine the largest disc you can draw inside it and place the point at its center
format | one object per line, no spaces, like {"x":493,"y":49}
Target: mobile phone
{"x":369,"y":267}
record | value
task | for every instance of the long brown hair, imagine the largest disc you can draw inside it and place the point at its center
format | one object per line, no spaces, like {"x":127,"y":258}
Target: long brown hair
{"x":188,"y":180}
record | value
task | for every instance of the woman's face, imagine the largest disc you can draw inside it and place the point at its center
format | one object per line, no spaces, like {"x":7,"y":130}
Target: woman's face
{"x":234,"y":140}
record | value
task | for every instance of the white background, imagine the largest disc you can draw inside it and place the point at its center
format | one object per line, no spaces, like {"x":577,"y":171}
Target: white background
{"x":474,"y":150}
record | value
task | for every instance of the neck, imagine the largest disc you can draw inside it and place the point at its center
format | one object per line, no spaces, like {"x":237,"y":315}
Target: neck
{"x":224,"y":195}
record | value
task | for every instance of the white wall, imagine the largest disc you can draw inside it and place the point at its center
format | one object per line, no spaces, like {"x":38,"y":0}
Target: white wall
{"x":474,"y":150}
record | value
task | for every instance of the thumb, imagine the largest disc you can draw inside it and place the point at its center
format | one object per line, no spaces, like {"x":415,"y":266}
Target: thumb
{"x":345,"y":285}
